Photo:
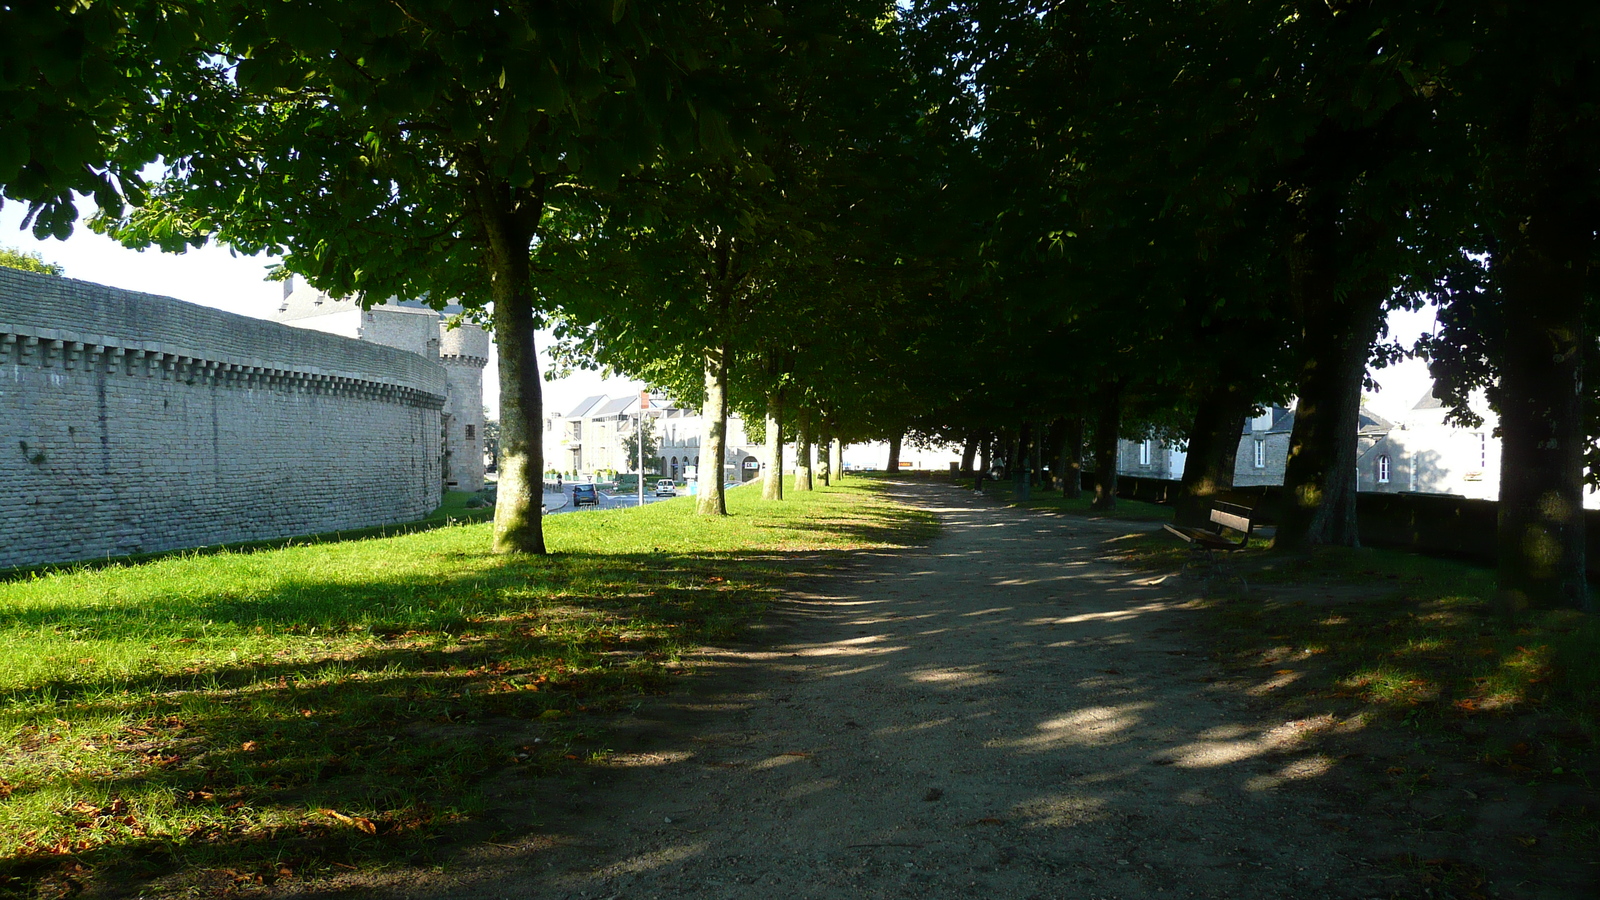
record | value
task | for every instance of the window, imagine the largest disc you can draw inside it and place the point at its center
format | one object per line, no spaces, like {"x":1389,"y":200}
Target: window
{"x":1144,"y":453}
{"x":1383,"y":470}
{"x":1261,"y":454}
{"x":470,"y":432}
{"x":1483,"y":450}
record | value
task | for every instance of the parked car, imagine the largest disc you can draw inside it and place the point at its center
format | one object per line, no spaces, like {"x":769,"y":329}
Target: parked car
{"x":665,"y":488}
{"x":585,"y":495}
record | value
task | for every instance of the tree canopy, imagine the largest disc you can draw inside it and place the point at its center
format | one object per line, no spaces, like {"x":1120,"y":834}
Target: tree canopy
{"x":1032,"y":228}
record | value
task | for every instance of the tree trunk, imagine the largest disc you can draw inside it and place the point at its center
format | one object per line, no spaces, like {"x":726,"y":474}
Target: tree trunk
{"x":836,"y":463}
{"x":1107,"y":425}
{"x":1338,"y":329}
{"x":1072,"y":458}
{"x":986,"y":459}
{"x":802,"y":455}
{"x":1541,"y":522}
{"x":1036,"y":456}
{"x":520,"y":494}
{"x":1213,"y":447}
{"x":1020,"y":474}
{"x":969,"y":453}
{"x":714,"y":445}
{"x":894,"y":451}
{"x":824,"y":472}
{"x":772,"y":485}
{"x":1050,"y":444}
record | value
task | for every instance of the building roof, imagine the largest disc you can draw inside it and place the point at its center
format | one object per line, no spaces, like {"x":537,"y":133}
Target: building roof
{"x":615,"y":407}
{"x":584,"y":405}
{"x":1371,"y":423}
{"x":302,"y":301}
{"x":1430,"y":400}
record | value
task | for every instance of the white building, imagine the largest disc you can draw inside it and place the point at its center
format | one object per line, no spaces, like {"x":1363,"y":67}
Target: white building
{"x":1424,"y":454}
{"x":587,"y":440}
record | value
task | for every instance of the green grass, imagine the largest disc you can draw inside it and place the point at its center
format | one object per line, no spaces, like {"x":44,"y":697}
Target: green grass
{"x":452,"y":510}
{"x":1415,"y":636}
{"x":1398,"y":633}
{"x":1404,"y":651}
{"x":1408,"y":645}
{"x":1126,"y":509}
{"x":341,"y":703}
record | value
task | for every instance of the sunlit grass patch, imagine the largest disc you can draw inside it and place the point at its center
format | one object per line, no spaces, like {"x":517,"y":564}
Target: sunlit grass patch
{"x":1412,"y":639}
{"x":1431,"y":689}
{"x":1390,"y":686}
{"x":284,"y":710}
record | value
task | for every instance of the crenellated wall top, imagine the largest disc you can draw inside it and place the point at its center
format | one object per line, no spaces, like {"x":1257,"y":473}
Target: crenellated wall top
{"x":46,"y":319}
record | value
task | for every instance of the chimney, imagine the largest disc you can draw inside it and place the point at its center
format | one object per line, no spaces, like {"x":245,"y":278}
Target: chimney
{"x":288,"y":287}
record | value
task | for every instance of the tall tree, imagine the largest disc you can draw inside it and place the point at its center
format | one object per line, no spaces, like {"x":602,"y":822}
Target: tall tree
{"x":409,"y":149}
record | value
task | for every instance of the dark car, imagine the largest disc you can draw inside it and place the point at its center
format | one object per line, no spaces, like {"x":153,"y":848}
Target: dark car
{"x":585,"y":495}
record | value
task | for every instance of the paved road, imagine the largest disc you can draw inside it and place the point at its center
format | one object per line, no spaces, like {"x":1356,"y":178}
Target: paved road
{"x":607,"y":501}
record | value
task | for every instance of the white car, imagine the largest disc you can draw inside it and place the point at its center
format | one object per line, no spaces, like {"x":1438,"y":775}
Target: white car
{"x":665,"y":488}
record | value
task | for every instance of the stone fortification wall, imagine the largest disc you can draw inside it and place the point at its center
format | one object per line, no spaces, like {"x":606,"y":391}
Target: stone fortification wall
{"x":132,"y":423}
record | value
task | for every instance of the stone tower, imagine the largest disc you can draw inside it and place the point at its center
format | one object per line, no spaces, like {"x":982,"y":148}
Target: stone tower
{"x":411,"y":325}
{"x":464,"y":351}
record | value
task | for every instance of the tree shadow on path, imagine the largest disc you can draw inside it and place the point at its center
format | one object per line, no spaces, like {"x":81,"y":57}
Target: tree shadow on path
{"x":1005,"y":713}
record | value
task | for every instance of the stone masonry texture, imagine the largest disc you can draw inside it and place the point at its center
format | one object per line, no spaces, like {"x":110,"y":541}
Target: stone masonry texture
{"x":132,"y":423}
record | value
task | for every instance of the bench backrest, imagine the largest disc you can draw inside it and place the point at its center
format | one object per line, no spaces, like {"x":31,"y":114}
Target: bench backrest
{"x":1229,"y":520}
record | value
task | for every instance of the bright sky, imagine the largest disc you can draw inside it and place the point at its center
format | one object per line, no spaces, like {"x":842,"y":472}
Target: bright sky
{"x":1400,"y":386}
{"x":213,"y":276}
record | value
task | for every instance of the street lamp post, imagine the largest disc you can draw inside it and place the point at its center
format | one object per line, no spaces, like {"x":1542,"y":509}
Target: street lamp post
{"x":644,"y":403}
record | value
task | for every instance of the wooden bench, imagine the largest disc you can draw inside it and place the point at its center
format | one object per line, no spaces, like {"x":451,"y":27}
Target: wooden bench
{"x":1226,"y":516}
{"x":1204,"y":543}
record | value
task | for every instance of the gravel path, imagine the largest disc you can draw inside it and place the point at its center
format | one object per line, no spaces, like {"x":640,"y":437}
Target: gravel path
{"x":1002,"y":714}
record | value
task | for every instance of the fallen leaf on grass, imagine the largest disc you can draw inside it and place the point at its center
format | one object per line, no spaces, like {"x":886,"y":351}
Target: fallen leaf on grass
{"x":248,"y":746}
{"x":359,"y":822}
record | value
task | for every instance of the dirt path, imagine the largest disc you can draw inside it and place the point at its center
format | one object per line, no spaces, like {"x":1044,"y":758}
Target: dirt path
{"x":1003,"y":714}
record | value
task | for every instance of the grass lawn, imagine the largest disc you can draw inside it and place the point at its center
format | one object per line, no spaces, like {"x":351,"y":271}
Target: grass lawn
{"x":271,"y":713}
{"x":455,"y":508}
{"x":1400,"y":657}
{"x":1399,"y":633}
